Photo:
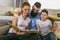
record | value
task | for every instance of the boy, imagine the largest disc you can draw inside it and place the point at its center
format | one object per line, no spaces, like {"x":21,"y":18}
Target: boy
{"x":45,"y":26}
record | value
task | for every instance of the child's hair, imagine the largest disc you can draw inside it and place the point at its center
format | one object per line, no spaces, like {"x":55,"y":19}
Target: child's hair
{"x":44,"y":10}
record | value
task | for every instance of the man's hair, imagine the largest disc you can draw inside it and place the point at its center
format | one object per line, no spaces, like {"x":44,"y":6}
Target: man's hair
{"x":38,"y":4}
{"x":45,"y":10}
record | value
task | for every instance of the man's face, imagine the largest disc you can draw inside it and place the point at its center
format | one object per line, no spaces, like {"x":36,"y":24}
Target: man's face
{"x":35,"y":9}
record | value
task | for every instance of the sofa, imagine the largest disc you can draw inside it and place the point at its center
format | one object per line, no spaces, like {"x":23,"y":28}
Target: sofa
{"x":4,"y":27}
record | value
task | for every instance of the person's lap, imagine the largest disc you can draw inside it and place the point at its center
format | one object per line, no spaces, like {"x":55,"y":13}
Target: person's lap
{"x":34,"y":36}
{"x":49,"y":36}
{"x":12,"y":36}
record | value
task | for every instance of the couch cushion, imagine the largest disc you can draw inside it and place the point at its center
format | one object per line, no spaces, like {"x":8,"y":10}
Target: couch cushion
{"x":4,"y":20}
{"x":4,"y":29}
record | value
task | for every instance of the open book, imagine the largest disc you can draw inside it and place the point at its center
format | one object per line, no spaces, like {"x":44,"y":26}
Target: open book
{"x":17,"y":29}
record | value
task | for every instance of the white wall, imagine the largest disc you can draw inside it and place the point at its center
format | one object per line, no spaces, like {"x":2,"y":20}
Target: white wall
{"x":50,"y":4}
{"x":5,"y":5}
{"x":6,"y":2}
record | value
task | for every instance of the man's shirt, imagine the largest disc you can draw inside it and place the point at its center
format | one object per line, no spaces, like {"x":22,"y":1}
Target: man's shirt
{"x":33,"y":21}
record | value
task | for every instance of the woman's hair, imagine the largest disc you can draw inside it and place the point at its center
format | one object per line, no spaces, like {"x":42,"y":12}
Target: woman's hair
{"x":24,"y":4}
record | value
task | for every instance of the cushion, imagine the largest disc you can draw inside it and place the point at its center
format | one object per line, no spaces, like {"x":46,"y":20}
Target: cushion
{"x":4,"y":29}
{"x":4,"y":20}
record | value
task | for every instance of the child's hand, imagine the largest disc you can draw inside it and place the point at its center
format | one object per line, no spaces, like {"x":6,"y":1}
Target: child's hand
{"x":54,"y":28}
{"x":38,"y":32}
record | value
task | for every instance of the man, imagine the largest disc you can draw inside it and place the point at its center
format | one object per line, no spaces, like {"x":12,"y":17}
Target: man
{"x":34,"y":14}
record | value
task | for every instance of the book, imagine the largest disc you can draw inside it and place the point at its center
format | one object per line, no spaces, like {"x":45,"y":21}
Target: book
{"x":17,"y":29}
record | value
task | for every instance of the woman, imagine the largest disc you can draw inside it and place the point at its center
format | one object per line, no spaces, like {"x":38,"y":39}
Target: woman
{"x":22,"y":22}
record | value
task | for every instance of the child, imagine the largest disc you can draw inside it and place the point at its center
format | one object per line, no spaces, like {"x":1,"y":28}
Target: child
{"x":45,"y":26}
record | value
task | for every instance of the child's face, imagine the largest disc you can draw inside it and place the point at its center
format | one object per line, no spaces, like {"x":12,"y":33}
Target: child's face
{"x":43,"y":16}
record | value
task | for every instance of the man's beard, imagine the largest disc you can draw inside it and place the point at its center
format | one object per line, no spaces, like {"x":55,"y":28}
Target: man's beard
{"x":33,"y":14}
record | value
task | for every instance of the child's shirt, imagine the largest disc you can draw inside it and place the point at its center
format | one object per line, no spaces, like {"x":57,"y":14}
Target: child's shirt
{"x":44,"y":26}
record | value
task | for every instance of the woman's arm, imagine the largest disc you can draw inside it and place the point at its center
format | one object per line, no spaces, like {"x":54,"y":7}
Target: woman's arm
{"x":14,"y":22}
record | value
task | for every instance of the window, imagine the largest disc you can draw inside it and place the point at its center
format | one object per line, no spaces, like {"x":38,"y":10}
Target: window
{"x":17,"y":3}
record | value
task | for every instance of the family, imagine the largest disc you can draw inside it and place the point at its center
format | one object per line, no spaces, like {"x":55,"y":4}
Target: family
{"x":32,"y":19}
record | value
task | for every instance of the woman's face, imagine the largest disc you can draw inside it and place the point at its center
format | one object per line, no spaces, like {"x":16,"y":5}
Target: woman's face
{"x":43,"y":15}
{"x":26,"y":10}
